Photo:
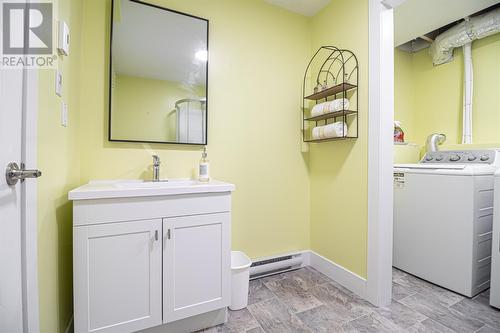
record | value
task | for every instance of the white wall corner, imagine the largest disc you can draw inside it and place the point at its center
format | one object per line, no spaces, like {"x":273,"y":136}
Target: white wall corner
{"x":70,"y":327}
{"x":306,"y":257}
{"x":380,"y":153}
{"x":334,"y":271}
{"x":392,"y":3}
{"x":339,"y":274}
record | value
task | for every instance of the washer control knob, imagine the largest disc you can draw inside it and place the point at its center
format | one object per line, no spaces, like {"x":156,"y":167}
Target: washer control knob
{"x":454,"y":158}
{"x":484,"y":158}
{"x":428,"y":158}
{"x":439,"y":158}
{"x":471,"y":158}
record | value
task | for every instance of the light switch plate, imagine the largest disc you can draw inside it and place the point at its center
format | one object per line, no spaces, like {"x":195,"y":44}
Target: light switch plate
{"x":58,"y":83}
{"x":64,"y":114}
{"x":63,"y":40}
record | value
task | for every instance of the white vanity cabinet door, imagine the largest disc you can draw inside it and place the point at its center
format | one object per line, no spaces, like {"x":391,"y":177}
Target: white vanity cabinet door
{"x":117,"y":276}
{"x":196,"y":265}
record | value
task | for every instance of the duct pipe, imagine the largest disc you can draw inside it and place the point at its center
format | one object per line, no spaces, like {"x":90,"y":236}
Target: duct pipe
{"x":468,"y":91}
{"x":463,"y":33}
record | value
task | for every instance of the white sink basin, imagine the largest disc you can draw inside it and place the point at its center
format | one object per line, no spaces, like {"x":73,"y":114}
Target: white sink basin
{"x":140,"y":188}
{"x":160,"y":184}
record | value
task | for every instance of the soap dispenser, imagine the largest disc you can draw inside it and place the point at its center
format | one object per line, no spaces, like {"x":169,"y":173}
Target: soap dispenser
{"x":204,"y":172}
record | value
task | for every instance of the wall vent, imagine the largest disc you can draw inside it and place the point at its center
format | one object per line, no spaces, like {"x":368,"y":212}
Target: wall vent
{"x":275,"y":265}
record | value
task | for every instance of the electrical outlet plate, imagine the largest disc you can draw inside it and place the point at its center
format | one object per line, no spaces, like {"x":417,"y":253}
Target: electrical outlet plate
{"x":58,"y":83}
{"x":63,"y":40}
{"x":64,"y":114}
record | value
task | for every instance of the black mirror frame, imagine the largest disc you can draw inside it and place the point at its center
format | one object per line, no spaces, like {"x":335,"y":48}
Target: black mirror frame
{"x":110,"y":74}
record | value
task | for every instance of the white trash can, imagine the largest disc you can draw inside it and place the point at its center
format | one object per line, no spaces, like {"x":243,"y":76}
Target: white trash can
{"x":240,"y":278}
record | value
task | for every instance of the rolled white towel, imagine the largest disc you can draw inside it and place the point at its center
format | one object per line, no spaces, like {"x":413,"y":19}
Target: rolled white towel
{"x":331,"y":106}
{"x":335,"y":130}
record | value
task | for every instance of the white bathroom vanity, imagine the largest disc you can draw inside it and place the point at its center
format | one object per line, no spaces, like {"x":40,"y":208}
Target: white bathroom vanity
{"x":152,"y":256}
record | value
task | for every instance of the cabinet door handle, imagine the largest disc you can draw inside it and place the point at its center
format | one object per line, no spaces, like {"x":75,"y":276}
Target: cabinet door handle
{"x":168,"y":234}
{"x":156,"y":235}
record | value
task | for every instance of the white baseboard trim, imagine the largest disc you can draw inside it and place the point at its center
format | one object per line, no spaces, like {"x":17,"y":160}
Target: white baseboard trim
{"x":69,"y":327}
{"x":339,"y":274}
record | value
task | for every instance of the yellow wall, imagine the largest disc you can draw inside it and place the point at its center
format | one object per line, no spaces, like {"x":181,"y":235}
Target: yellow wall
{"x":404,"y":107}
{"x":144,"y":109}
{"x":254,"y":140}
{"x":437,"y":93}
{"x":409,"y":153}
{"x":59,"y":160}
{"x":404,"y":94}
{"x":338,"y":169}
{"x":254,"y":136}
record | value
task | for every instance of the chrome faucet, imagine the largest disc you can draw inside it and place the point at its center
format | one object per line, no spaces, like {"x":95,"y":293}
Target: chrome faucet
{"x":156,"y":168}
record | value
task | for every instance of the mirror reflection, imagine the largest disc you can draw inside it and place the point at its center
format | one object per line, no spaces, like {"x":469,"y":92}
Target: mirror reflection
{"x":158,"y":75}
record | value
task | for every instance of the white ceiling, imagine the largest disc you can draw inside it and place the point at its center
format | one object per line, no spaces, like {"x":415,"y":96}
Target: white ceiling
{"x":414,"y":18}
{"x":304,"y":7}
{"x":154,"y":43}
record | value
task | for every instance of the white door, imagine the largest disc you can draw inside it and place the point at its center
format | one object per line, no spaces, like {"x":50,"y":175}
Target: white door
{"x":117,"y":276}
{"x":11,"y":97}
{"x":196,"y":265}
{"x":18,"y":230}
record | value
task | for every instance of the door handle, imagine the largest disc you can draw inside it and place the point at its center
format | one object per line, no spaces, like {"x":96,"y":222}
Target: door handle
{"x":165,"y":238}
{"x":156,"y":235}
{"x":14,"y":173}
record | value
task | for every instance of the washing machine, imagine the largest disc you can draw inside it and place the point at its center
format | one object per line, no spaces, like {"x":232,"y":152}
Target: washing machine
{"x":443,"y":214}
{"x":495,"y":248}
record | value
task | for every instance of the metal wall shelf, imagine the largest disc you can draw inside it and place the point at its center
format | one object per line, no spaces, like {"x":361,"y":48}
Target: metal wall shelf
{"x":339,"y":73}
{"x":331,"y":115}
{"x":329,"y":139}
{"x":331,"y":91}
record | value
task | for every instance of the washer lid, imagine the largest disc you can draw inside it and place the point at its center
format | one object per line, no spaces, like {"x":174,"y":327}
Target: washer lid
{"x":445,"y":169}
{"x":432,"y":166}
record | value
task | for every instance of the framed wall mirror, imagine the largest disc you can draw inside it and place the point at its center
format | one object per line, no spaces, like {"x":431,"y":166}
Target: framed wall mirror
{"x":158,"y":80}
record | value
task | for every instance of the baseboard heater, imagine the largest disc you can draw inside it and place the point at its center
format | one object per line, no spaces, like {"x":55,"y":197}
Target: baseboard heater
{"x":275,"y":265}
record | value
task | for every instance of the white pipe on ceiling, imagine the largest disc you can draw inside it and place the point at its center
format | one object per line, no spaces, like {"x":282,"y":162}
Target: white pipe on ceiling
{"x":462,"y":35}
{"x":468,"y":92}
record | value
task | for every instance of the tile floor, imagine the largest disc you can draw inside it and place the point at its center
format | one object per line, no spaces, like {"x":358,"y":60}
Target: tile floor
{"x":307,"y":301}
